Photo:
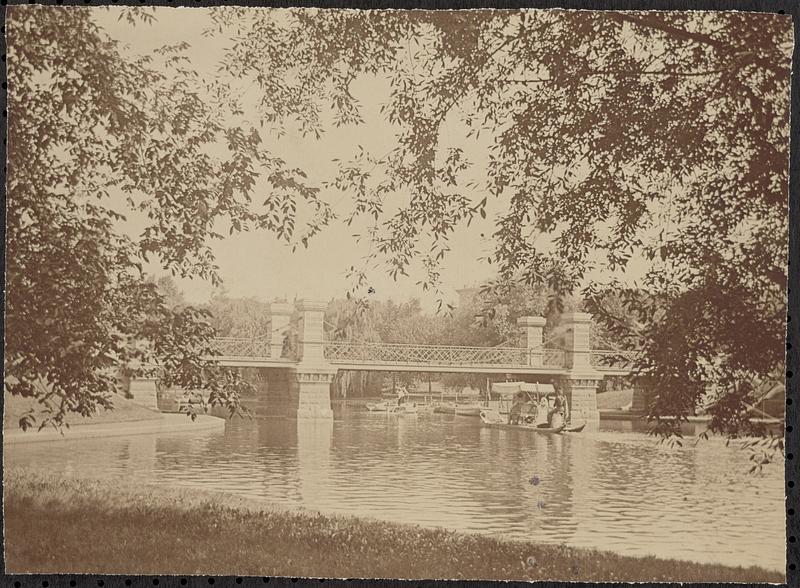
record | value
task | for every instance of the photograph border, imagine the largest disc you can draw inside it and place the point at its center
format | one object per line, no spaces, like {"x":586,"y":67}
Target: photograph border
{"x":793,"y":310}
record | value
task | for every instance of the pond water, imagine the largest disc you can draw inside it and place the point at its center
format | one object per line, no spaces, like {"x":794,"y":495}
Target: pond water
{"x":610,"y":490}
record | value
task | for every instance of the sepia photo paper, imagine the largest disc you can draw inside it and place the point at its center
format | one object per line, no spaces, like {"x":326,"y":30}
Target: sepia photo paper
{"x":413,"y":294}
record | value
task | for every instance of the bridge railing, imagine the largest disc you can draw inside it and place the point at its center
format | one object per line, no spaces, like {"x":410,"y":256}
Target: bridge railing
{"x":445,"y":355}
{"x":405,"y":353}
{"x":242,"y":347}
{"x":610,"y":359}
{"x":552,"y":357}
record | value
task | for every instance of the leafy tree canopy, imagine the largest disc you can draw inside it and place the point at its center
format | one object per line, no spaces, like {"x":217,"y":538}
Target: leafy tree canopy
{"x":611,"y":137}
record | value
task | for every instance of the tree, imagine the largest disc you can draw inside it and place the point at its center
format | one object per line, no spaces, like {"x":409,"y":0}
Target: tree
{"x":365,"y":322}
{"x":85,"y":123}
{"x":612,"y":136}
{"x":239,"y":317}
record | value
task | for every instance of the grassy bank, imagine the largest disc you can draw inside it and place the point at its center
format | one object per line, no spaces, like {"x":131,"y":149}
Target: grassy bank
{"x":614,"y":399}
{"x":90,"y":526}
{"x":14,"y":407}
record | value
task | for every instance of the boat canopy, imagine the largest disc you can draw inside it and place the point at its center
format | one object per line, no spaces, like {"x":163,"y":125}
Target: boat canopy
{"x":509,"y":389}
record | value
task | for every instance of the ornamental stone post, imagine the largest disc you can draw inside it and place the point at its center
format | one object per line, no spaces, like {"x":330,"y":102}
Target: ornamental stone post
{"x":532,"y":337}
{"x":280,"y":313}
{"x":578,"y":344}
{"x":311,"y":332}
{"x":310,"y":380}
{"x":144,"y":391}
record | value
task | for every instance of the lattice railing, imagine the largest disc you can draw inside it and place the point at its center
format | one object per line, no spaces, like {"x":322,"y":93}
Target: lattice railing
{"x":241,"y":347}
{"x":552,"y":357}
{"x":403,"y":353}
{"x":610,"y":359}
{"x":410,"y":354}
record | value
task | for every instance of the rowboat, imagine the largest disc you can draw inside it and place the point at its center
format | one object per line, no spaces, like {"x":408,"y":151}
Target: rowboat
{"x":496,"y":422}
{"x":380,"y":406}
{"x":404,"y":409}
{"x":444,"y":409}
{"x":392,"y":407}
{"x":471,"y":410}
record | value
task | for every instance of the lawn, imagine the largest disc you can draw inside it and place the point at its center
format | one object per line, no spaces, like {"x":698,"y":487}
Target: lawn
{"x":614,"y":399}
{"x":92,"y":526}
{"x":124,"y":410}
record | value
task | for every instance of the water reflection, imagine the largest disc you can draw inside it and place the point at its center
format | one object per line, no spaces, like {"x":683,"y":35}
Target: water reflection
{"x":606,"y":490}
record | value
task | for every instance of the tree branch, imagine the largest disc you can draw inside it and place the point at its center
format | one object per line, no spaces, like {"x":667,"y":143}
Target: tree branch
{"x":654,"y":21}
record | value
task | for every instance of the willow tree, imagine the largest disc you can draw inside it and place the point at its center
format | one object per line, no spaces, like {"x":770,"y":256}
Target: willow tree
{"x":612,"y":138}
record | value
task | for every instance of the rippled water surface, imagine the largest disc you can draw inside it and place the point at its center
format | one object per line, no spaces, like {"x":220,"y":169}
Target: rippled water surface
{"x":609,"y":490}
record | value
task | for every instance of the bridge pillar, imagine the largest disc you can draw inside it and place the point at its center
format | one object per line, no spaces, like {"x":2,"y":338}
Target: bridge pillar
{"x":310,"y":393}
{"x":532,"y":337}
{"x":144,"y":391}
{"x":581,"y":393}
{"x":578,"y":345}
{"x":310,"y":380}
{"x":311,"y":332}
{"x":280,"y":313}
{"x":580,"y":382}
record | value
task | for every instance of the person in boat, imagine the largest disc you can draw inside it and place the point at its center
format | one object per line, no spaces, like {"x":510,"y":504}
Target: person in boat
{"x":557,"y":415}
{"x":560,"y":404}
{"x":515,"y":412}
{"x":542,"y":412}
{"x":530,"y":412}
{"x":402,"y":396}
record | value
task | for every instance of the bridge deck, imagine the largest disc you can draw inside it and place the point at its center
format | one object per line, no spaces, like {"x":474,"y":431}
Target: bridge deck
{"x":394,"y":357}
{"x":448,"y":368}
{"x":253,"y":361}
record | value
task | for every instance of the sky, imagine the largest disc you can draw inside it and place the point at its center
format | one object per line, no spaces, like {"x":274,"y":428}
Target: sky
{"x":255,"y":264}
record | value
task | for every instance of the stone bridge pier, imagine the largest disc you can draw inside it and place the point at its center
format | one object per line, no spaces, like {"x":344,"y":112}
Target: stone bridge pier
{"x":581,"y":380}
{"x":310,"y":379}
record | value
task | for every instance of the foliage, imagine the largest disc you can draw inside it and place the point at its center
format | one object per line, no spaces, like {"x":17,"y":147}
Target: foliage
{"x":484,"y":317}
{"x":377,"y":321}
{"x":238,"y":317}
{"x":87,"y":123}
{"x":614,"y":139}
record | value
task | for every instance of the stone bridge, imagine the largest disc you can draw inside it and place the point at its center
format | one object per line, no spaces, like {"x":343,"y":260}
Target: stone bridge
{"x":577,"y":366}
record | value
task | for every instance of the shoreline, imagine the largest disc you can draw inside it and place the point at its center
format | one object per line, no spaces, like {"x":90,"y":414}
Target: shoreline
{"x":213,"y":533}
{"x":165,"y":423}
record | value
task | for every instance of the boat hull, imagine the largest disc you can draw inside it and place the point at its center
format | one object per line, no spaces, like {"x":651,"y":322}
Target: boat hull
{"x":392,"y":408}
{"x":575,"y":428}
{"x":530,"y":428}
{"x":470,"y":411}
{"x":378,"y":406}
{"x":495,"y":423}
